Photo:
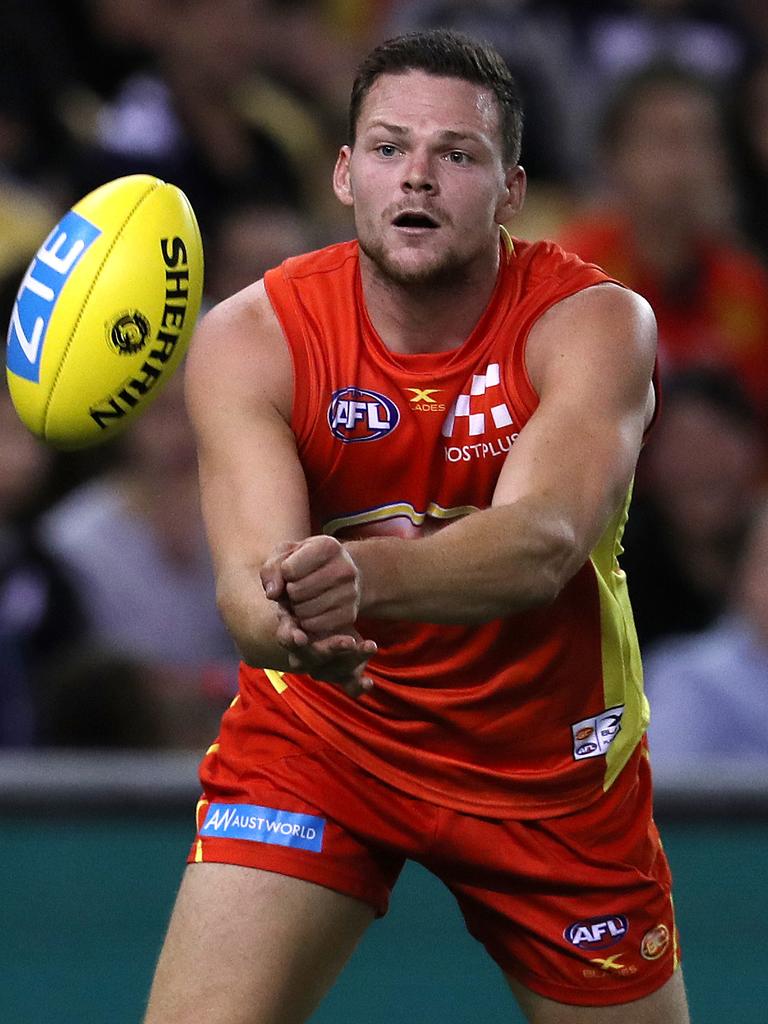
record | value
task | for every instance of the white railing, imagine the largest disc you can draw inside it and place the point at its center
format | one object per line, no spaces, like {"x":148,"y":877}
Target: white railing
{"x":50,"y":779}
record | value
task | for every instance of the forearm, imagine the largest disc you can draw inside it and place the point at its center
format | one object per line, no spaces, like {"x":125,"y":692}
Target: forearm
{"x":487,"y":565}
{"x":251,"y":619}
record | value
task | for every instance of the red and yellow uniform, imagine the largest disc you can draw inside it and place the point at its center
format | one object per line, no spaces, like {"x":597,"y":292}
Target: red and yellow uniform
{"x":491,"y":719}
{"x":491,"y":753}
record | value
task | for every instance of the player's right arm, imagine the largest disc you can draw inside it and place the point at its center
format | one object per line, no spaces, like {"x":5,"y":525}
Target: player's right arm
{"x":239,"y":390}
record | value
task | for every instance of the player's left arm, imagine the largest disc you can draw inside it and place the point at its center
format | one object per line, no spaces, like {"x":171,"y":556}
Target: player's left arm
{"x":590,"y":359}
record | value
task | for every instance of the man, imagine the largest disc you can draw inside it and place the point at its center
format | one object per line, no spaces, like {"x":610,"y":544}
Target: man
{"x":456,"y":680}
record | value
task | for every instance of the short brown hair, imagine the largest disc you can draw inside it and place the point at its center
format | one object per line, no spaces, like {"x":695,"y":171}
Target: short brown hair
{"x":445,"y":53}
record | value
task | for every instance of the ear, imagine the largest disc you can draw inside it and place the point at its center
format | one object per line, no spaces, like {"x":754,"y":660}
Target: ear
{"x":342,"y":184}
{"x":515,"y":183}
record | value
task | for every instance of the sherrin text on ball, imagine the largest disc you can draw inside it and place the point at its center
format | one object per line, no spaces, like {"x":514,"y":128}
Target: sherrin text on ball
{"x":105,"y":311}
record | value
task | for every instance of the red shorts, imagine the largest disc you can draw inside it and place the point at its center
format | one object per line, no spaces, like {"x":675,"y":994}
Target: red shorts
{"x":577,"y":908}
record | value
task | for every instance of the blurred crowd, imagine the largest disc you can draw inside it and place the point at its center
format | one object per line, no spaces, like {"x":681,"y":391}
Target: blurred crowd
{"x":646,"y":148}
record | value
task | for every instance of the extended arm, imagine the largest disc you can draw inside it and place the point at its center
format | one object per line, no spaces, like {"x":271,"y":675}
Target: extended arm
{"x":590,"y":359}
{"x":254,"y":496}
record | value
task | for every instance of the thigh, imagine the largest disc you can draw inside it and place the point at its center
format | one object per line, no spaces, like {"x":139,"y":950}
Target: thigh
{"x":247,"y":946}
{"x":668,"y":1005}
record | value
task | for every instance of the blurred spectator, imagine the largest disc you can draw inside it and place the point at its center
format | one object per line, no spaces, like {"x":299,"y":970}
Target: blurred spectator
{"x":39,"y":616}
{"x":614,"y":40}
{"x":247,"y":241}
{"x":60,"y":63}
{"x":617,"y":39}
{"x":709,"y":690}
{"x":101,"y":700}
{"x":18,"y":719}
{"x":698,"y":479}
{"x":176,"y":115}
{"x":749,"y":123}
{"x":666,"y":228}
{"x":132,"y":540}
{"x":97,"y":698}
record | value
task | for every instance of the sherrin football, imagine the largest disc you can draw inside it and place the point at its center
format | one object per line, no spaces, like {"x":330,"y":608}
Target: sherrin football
{"x":105,"y":311}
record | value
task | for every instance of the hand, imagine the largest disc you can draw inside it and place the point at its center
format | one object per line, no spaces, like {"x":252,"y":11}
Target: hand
{"x":272,"y":571}
{"x":324,"y":643}
{"x":339,"y":659}
{"x":321,"y":582}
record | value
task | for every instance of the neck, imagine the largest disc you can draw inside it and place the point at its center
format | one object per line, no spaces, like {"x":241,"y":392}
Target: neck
{"x":435,"y":317}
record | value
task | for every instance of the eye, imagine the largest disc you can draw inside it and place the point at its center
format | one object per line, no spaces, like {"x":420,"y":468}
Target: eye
{"x":386,"y":149}
{"x":457,"y":156}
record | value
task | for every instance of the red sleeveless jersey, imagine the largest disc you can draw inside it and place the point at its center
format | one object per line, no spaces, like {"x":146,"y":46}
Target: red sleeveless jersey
{"x":529,"y":716}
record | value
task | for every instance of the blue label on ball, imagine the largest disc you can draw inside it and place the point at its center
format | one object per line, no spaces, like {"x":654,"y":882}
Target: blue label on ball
{"x":43,"y":282}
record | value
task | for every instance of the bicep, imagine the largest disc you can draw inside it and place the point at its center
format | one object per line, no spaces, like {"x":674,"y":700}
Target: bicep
{"x":252,"y":486}
{"x":591,"y":360}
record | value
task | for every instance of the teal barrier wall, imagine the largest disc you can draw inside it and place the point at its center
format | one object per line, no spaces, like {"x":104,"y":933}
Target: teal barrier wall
{"x":85,"y":903}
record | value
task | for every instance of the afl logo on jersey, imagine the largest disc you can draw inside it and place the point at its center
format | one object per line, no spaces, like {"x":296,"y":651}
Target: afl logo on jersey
{"x":356,"y":414}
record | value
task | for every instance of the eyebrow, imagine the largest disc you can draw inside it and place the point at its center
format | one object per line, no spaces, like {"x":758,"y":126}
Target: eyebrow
{"x":447,"y":135}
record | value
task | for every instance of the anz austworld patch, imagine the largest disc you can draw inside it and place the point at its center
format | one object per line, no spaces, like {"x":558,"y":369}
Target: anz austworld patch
{"x":264,"y":825}
{"x":40,"y":290}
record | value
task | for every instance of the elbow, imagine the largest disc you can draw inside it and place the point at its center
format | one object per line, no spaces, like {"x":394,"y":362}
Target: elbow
{"x":232,"y":617}
{"x":558,"y":560}
{"x":247,"y":632}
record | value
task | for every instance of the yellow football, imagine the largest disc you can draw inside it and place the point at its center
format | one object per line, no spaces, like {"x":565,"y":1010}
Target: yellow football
{"x":105,"y":311}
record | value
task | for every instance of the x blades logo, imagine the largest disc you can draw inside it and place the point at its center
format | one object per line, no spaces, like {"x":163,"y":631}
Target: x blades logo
{"x":423,"y":394}
{"x":423,"y":399}
{"x":609,"y":965}
{"x":357,"y":414}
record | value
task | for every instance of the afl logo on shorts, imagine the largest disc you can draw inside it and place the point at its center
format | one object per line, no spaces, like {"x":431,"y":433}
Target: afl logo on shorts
{"x":128,"y":333}
{"x":356,"y":414}
{"x":597,"y":932}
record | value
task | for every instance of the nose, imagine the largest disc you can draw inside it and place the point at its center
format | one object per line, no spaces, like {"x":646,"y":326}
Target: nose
{"x":419,"y":174}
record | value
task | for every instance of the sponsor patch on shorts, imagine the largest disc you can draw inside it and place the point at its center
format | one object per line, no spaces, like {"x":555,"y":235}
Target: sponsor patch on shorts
{"x":264,"y":825}
{"x":593,"y":736}
{"x":597,"y":932}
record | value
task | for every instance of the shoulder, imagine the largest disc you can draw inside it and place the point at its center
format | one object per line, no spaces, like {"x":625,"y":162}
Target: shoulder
{"x":604,"y":303}
{"x":239,"y":350}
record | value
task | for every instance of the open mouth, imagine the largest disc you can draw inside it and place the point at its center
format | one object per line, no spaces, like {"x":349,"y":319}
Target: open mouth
{"x":414,"y":220}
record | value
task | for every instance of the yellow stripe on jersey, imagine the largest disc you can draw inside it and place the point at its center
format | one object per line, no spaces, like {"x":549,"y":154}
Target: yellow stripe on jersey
{"x":675,"y":933}
{"x":622,"y":668}
{"x":202,"y":803}
{"x":276,"y":678}
{"x":400,"y":508}
{"x":212,"y":749}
